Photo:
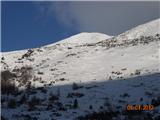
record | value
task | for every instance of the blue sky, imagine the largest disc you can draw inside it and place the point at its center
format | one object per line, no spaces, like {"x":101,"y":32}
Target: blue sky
{"x":33,"y":24}
{"x":22,"y":27}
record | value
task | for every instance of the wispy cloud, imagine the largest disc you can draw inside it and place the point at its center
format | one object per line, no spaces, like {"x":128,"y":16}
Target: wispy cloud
{"x":106,"y":17}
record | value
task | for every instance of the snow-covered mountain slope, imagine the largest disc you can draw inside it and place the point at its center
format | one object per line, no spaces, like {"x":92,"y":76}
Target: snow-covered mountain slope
{"x":92,"y":68}
{"x":87,"y":63}
{"x":86,"y":38}
{"x":81,"y":39}
{"x":147,"y":29}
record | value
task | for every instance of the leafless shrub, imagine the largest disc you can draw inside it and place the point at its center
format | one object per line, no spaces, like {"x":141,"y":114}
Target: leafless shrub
{"x":23,"y":99}
{"x":7,"y":82}
{"x":33,"y":103}
{"x":76,"y":94}
{"x":72,"y":54}
{"x":52,"y":98}
{"x":2,"y":58}
{"x":117,"y":72}
{"x":75,"y":104}
{"x":125,"y":95}
{"x":156,"y":101}
{"x":69,"y":47}
{"x":75,"y":86}
{"x":6,"y":75}
{"x":124,"y":69}
{"x":12,"y":103}
{"x":27,"y":54}
{"x":62,"y":79}
{"x":26,"y":74}
{"x":148,"y":93}
{"x":40,"y":73}
{"x":137,"y":72}
{"x":42,"y":89}
{"x":53,"y":69}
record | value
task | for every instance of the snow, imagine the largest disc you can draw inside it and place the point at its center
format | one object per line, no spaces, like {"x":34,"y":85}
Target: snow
{"x":93,"y":67}
{"x":86,"y":38}
{"x":83,"y":38}
{"x":147,"y":29}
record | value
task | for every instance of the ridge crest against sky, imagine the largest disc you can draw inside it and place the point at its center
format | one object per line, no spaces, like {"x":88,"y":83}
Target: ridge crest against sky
{"x":33,"y":24}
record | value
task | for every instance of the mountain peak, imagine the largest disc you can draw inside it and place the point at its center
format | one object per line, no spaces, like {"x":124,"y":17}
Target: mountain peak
{"x":86,"y":37}
{"x":147,"y":29}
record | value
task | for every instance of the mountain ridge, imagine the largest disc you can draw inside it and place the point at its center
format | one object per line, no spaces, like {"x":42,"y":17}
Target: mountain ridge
{"x":94,"y":37}
{"x":146,"y":29}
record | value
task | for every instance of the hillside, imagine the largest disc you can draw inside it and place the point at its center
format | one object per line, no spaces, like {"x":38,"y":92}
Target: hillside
{"x":147,"y":29}
{"x":86,"y":73}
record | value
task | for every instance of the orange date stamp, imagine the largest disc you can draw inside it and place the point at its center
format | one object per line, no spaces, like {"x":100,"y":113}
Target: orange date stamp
{"x":140,"y":107}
